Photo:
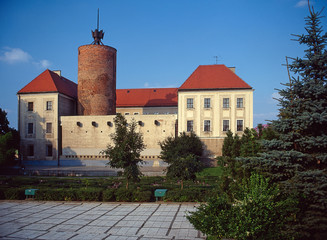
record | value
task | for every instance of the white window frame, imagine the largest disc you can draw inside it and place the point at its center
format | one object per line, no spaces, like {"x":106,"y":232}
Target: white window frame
{"x":207,"y":103}
{"x":225,"y":102}
{"x":189,"y":125}
{"x":237,"y":121}
{"x":49,"y":105}
{"x":206,"y":125}
{"x":189,"y":103}
{"x":239,"y":102}
{"x":226,"y":120}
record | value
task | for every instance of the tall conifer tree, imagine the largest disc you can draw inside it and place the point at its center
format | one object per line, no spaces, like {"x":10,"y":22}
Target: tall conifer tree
{"x":298,"y":158}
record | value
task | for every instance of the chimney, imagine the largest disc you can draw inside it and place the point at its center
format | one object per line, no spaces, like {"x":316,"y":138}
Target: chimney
{"x":58,"y":72}
{"x":232,"y":69}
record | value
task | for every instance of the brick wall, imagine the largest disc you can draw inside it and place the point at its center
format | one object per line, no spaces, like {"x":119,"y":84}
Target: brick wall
{"x":96,"y":80}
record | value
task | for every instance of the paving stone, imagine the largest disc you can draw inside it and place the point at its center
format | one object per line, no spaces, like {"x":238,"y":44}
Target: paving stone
{"x":80,"y":220}
{"x":125,"y":223}
{"x":66,"y":228}
{"x":4,"y":231}
{"x":87,"y":216}
{"x":52,"y":220}
{"x":53,"y":235}
{"x":30,"y":234}
{"x":28,"y":220}
{"x":115,"y":218}
{"x":103,"y":223}
{"x":136,"y":218}
{"x":93,"y":229}
{"x":39,"y":226}
{"x":89,"y":236}
{"x":116,"y":237}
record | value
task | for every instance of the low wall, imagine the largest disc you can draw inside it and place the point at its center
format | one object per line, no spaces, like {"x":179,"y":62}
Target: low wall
{"x":84,"y":137}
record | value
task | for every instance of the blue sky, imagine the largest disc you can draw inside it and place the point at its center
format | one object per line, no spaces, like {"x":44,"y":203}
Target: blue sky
{"x":159,"y":42}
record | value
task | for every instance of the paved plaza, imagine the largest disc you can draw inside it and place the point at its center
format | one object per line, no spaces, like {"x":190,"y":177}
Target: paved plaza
{"x":95,"y":220}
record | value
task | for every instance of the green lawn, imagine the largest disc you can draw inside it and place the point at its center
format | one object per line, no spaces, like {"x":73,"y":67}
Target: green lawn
{"x":211,"y":171}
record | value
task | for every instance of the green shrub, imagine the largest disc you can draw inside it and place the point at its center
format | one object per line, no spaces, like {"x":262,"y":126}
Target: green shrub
{"x":88,"y":194}
{"x":124,"y":195}
{"x":259,"y":213}
{"x":14,"y":193}
{"x":56,"y":195}
{"x":185,"y":195}
{"x":108,"y":195}
{"x":143,"y":196}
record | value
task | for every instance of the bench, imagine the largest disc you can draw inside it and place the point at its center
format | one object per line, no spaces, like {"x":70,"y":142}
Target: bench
{"x":159,"y":193}
{"x":30,"y":193}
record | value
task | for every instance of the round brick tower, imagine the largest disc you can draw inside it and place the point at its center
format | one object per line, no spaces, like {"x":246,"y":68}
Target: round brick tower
{"x":96,"y":80}
{"x":96,"y":90}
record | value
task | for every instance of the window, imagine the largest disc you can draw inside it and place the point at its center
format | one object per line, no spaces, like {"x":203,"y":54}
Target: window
{"x":226,"y":103}
{"x":225,"y":125}
{"x":239,"y":103}
{"x":190,"y":103}
{"x":207,"y":103}
{"x":49,"y":128}
{"x":239,"y":125}
{"x":126,"y":113}
{"x":49,"y":105}
{"x":190,"y":125}
{"x":30,"y":107}
{"x":30,"y":128}
{"x":30,"y":150}
{"x":136,"y":113}
{"x":49,"y":150}
{"x":206,"y":125}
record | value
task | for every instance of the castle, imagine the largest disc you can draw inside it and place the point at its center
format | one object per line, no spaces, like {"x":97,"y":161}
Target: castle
{"x":63,"y":123}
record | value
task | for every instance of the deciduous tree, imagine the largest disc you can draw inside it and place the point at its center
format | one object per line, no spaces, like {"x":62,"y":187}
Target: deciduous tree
{"x":126,"y":150}
{"x":183,"y":154}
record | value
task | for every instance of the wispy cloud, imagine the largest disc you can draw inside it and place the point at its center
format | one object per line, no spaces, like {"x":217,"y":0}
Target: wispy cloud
{"x":14,"y":55}
{"x":43,"y":63}
{"x":302,"y":3}
{"x":17,"y":55}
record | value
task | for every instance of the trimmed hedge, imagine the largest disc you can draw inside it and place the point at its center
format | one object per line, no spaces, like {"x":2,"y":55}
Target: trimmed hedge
{"x":12,"y":193}
{"x":109,"y":195}
{"x":107,"y":189}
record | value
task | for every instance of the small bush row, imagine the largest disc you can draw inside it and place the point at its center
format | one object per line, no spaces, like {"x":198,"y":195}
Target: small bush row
{"x":82,"y":194}
{"x":109,"y":195}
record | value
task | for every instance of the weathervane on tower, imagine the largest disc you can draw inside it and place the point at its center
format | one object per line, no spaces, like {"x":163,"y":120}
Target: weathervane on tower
{"x":97,"y":35}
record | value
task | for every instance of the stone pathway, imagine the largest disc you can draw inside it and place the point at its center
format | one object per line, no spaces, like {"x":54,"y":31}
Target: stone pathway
{"x":95,"y":220}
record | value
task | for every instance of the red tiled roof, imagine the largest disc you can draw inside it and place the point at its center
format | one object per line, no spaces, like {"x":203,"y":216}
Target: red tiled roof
{"x":147,"y":97}
{"x":214,"y":77}
{"x":49,"y":81}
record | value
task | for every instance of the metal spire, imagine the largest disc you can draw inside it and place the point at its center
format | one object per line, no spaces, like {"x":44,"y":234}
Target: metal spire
{"x":97,"y":35}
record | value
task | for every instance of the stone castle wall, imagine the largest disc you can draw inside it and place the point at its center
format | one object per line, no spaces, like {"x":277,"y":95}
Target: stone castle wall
{"x":84,"y":137}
